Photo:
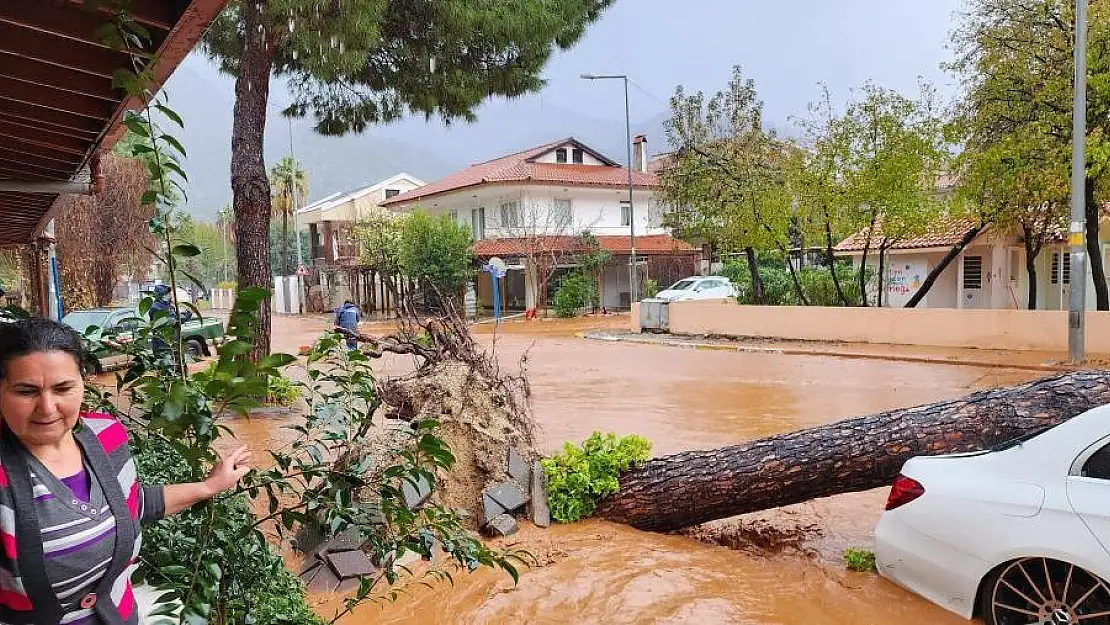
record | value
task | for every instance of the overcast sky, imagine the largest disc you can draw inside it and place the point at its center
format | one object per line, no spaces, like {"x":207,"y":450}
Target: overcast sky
{"x":786,"y":46}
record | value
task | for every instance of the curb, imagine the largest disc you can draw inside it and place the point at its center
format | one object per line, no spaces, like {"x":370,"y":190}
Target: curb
{"x":790,"y":351}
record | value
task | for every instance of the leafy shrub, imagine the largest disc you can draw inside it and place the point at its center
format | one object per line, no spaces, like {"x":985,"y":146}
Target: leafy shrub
{"x":778,"y":290}
{"x":576,"y":291}
{"x":281,"y":391}
{"x":860,"y":560}
{"x":264,"y":589}
{"x":651,"y":288}
{"x":778,"y":286}
{"x":579,"y":477}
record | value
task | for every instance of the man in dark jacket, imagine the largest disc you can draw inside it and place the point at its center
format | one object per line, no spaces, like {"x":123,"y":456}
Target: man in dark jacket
{"x":162,"y":302}
{"x":347,"y":317}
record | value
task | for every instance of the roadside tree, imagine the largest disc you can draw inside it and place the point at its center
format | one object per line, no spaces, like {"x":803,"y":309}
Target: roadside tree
{"x":1015,"y":59}
{"x":289,"y":185}
{"x":104,"y":236}
{"x":362,"y":62}
{"x":725,"y":186}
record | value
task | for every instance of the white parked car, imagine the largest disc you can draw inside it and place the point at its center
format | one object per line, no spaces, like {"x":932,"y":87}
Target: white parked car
{"x":1015,"y":535}
{"x":699,"y":287}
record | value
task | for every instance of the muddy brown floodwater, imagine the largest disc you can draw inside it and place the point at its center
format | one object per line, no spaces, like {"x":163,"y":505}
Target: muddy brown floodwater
{"x":785,"y":567}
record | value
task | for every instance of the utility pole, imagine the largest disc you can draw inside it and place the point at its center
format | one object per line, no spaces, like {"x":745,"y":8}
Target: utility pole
{"x":1078,"y":289}
{"x":633,"y":273}
{"x":296,"y":200}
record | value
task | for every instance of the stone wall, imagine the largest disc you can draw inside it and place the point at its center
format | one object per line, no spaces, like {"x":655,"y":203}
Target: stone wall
{"x":1041,"y":330}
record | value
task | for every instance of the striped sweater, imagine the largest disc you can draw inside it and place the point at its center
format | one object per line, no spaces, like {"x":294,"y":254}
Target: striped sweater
{"x":63,"y":560}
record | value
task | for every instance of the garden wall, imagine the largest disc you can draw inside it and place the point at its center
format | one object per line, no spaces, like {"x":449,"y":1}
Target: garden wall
{"x":1045,"y":330}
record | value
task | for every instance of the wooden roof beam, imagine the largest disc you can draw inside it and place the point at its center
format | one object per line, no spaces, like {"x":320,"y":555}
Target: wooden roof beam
{"x":45,"y":139}
{"x":157,"y":13}
{"x":79,"y":57}
{"x":58,"y":121}
{"x":73,"y":23}
{"x":11,"y":174}
{"x":39,"y":73}
{"x":53,"y":99}
{"x":31,"y":163}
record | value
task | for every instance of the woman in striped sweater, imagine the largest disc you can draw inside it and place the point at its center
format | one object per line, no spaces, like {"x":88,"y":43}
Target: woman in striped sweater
{"x":70,"y":501}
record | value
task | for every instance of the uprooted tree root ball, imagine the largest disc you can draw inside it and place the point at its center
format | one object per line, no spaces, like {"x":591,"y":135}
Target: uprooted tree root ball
{"x":483,"y":412}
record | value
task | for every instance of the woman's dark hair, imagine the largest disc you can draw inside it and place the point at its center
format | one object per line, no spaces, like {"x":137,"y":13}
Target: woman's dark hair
{"x":35,"y":334}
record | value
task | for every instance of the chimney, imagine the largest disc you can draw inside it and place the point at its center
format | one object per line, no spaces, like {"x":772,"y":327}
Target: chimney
{"x":639,"y":153}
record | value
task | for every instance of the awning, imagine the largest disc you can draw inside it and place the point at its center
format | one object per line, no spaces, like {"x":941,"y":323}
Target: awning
{"x":57,"y":104}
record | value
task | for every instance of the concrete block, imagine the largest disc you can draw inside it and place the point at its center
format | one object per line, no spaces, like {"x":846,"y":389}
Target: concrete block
{"x":374,"y":511}
{"x":504,"y":525}
{"x":349,"y":564}
{"x":347,"y":540}
{"x":418,"y":495}
{"x":508,"y":494}
{"x":518,"y":468}
{"x":324,"y":580}
{"x":539,"y":511}
{"x":490,"y":509}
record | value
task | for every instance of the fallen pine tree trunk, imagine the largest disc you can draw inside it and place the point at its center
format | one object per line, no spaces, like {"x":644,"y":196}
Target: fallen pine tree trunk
{"x":857,"y":454}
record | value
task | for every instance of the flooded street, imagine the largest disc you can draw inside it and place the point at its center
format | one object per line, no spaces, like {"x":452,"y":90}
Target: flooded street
{"x":786,"y":567}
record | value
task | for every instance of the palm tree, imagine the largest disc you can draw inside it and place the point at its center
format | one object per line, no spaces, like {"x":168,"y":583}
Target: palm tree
{"x":225,"y":221}
{"x":289,"y":184}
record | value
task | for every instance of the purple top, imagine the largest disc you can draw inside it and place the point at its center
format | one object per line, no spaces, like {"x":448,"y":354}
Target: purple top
{"x":79,"y":484}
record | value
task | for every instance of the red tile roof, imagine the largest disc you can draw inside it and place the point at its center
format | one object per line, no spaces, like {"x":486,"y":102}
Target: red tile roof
{"x":521,"y":167}
{"x":646,"y":245}
{"x":943,"y":232}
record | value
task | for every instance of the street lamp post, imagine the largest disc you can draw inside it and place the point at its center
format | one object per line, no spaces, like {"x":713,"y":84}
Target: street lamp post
{"x":633,"y":274}
{"x":1078,"y":292}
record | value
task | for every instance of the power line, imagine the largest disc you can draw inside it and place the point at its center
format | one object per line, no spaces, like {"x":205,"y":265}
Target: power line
{"x":648,"y":93}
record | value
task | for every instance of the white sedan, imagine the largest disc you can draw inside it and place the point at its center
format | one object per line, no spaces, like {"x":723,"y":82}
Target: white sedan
{"x":1016,"y":535}
{"x":698,"y":288}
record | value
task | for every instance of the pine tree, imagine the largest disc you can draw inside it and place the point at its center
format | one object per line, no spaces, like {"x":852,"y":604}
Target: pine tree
{"x":355,"y":63}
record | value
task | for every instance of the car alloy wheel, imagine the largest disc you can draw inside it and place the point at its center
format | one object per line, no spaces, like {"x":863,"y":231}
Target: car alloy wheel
{"x":1041,"y":591}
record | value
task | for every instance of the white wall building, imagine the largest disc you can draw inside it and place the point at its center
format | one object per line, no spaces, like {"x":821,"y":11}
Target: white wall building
{"x":531,"y":207}
{"x":334,"y":247}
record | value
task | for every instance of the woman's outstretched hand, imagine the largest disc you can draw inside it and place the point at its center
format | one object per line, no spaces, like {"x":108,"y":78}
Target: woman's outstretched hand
{"x":229,"y":470}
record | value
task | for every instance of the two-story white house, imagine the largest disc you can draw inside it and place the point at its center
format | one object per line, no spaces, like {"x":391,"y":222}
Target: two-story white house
{"x":337,"y":274}
{"x":330,"y":221}
{"x":531,"y":209}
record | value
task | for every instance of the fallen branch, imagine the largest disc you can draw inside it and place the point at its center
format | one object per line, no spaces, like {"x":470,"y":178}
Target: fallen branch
{"x":857,"y":454}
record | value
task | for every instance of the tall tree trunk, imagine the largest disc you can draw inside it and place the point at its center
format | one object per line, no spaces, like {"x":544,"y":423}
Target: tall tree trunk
{"x":285,"y":240}
{"x":831,"y":258}
{"x":863,"y":264}
{"x":249,"y":184}
{"x":952,"y":254}
{"x":1094,"y":246}
{"x":794,"y":277}
{"x":858,"y":454}
{"x":758,"y":295}
{"x":1032,"y":250}
{"x":882,"y":274}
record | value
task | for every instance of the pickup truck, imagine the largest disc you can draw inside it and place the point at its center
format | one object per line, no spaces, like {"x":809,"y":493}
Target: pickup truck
{"x":198,"y":334}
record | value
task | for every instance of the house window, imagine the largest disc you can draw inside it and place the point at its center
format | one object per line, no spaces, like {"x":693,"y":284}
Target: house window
{"x":561,"y":214}
{"x":510,"y":215}
{"x":478,"y":222}
{"x":1061,"y":268}
{"x":392,"y":193}
{"x":973,"y":272}
{"x":561,"y":155}
{"x":1015,"y":265}
{"x":578,"y":155}
{"x":626,"y":213}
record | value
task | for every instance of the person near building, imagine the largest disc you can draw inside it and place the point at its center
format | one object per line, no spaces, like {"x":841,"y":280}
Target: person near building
{"x":347,"y":317}
{"x":73,"y":505}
